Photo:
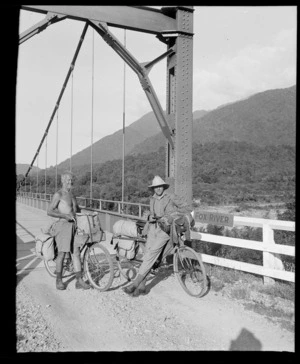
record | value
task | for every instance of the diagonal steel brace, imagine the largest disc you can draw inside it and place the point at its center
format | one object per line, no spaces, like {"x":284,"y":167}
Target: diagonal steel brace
{"x":72,"y":65}
{"x":50,"y":18}
{"x":148,"y":65}
{"x":141,"y":72}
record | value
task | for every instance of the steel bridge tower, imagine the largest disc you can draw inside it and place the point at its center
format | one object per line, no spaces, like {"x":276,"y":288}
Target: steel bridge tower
{"x":173,"y":26}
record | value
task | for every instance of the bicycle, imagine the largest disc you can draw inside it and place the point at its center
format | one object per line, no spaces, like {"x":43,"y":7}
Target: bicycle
{"x":188,"y":266}
{"x":97,"y":264}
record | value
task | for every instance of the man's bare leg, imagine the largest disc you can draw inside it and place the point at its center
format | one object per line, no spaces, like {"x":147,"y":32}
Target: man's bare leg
{"x":80,"y":283}
{"x":59,"y":266}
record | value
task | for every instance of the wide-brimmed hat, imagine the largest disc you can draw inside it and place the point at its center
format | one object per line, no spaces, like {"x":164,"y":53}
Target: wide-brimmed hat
{"x":157,"y":181}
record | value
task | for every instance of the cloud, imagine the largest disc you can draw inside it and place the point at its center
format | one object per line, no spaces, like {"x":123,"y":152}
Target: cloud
{"x":252,"y":69}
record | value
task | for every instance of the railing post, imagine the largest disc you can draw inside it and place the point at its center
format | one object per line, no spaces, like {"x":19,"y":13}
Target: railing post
{"x":107,"y":222}
{"x":119,"y":207}
{"x":100,"y":204}
{"x":140,"y":210}
{"x":270,"y":260}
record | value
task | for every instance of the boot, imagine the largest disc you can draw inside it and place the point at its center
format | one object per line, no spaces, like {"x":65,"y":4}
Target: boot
{"x":59,"y":283}
{"x":140,"y":290}
{"x":80,"y":283}
{"x":134,"y":285}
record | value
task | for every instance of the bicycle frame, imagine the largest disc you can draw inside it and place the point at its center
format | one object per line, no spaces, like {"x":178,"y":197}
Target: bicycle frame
{"x":141,"y":243}
{"x":187,"y":265}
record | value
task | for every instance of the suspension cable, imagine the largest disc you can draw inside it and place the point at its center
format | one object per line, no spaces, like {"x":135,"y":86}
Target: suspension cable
{"x":60,"y":95}
{"x":37,"y":174}
{"x":46,"y":166}
{"x":56,"y":150}
{"x":123,"y":160}
{"x":71,"y":121}
{"x":92,"y":121}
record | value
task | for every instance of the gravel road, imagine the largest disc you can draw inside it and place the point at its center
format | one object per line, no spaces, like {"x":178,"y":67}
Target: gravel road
{"x":164,"y":319}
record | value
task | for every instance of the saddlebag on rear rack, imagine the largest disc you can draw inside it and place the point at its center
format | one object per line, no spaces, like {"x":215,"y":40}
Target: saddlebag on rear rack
{"x":126,"y":247}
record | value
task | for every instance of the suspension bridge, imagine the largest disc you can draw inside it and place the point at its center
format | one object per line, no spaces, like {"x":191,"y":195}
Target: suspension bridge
{"x":172,"y":26}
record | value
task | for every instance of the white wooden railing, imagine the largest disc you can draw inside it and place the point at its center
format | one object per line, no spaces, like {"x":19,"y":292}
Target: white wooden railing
{"x":272,"y":264}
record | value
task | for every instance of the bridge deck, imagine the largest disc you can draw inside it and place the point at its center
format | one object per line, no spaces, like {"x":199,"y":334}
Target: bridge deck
{"x":29,"y":221}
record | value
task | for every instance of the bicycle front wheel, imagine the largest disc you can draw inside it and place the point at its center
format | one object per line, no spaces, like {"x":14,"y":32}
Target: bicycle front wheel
{"x":190,"y":272}
{"x":67,"y":270}
{"x":98,"y":266}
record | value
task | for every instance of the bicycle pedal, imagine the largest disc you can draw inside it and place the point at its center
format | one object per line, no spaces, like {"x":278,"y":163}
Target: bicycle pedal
{"x":153,"y":272}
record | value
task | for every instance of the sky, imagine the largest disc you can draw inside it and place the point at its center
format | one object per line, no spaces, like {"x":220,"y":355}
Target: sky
{"x":237,"y":51}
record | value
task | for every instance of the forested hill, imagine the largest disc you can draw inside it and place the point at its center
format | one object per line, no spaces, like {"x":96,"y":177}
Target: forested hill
{"x":266,"y":118}
{"x":110,"y":147}
{"x":223,"y":173}
{"x":23,"y":168}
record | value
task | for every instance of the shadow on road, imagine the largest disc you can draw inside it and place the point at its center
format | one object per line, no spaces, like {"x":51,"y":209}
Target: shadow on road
{"x":26,"y":259}
{"x":163,"y":274}
{"x":246,"y":341}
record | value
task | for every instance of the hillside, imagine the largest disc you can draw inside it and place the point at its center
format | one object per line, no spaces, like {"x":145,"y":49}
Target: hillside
{"x":266,"y":118}
{"x":110,"y":147}
{"x":23,"y":168}
{"x":224,"y":173}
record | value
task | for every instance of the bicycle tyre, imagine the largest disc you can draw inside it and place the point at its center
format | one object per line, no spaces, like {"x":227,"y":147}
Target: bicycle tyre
{"x":98,"y":266}
{"x":50,"y":266}
{"x":190,"y":271}
{"x":67,"y":271}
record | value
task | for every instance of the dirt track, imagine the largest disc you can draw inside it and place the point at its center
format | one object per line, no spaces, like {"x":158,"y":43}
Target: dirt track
{"x":164,"y":319}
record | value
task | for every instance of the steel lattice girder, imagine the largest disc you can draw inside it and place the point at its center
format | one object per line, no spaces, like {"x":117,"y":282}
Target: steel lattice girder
{"x":173,"y":26}
{"x":139,"y":18}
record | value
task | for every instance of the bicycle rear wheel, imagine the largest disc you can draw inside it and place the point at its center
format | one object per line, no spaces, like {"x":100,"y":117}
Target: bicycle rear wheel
{"x":190,"y":272}
{"x":98,"y":266}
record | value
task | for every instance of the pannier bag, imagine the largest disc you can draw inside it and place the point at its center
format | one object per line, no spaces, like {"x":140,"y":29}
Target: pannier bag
{"x":183,"y":224}
{"x":80,"y":239}
{"x":45,"y":246}
{"x":47,"y":229}
{"x":125,"y":227}
{"x":90,"y":223}
{"x":126,"y":248}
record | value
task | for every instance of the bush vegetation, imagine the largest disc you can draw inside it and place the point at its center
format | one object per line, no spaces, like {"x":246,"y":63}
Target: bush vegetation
{"x":223,"y":173}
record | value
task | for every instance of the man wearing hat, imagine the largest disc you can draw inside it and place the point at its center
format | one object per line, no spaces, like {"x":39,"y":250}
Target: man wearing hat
{"x":162,"y":205}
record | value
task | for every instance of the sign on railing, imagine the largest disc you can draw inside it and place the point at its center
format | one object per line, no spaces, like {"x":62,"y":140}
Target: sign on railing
{"x":214,"y":218}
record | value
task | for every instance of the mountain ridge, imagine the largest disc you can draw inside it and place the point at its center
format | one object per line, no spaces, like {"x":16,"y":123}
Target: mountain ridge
{"x":265,"y":118}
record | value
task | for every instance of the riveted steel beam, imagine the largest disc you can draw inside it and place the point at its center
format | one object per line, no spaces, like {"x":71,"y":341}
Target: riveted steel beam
{"x":136,"y":18}
{"x":142,"y":74}
{"x":179,"y":106}
{"x":51,"y":18}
